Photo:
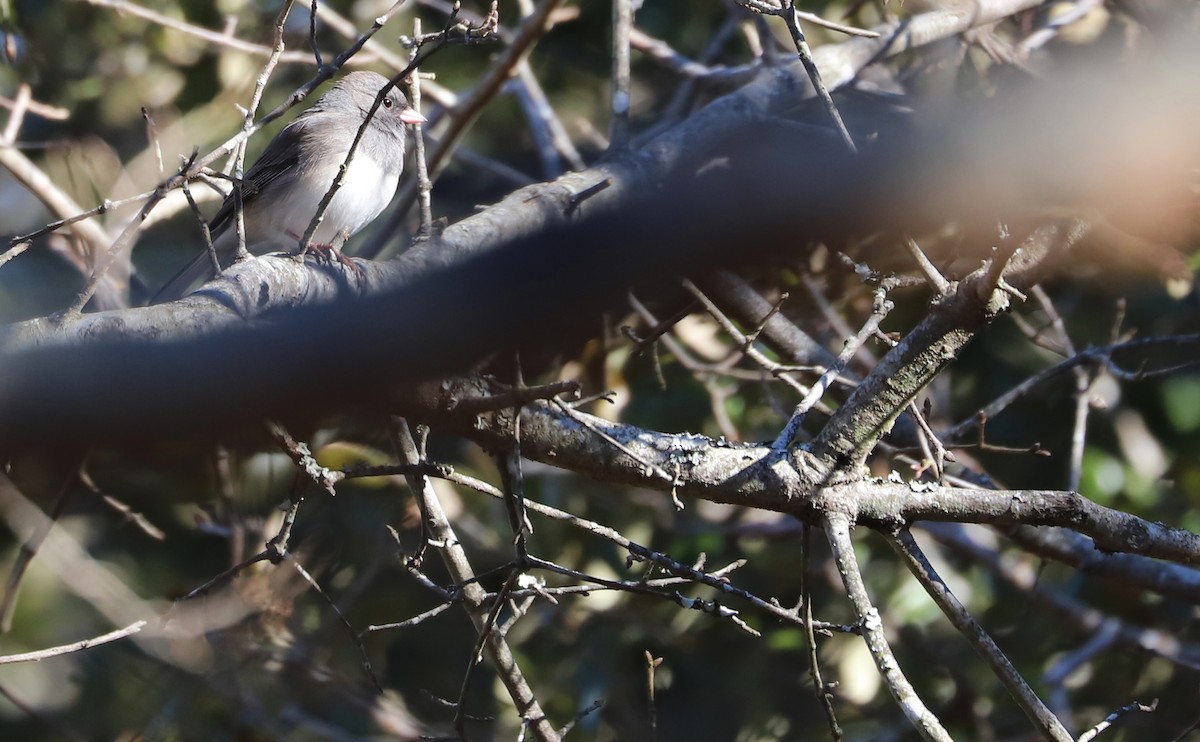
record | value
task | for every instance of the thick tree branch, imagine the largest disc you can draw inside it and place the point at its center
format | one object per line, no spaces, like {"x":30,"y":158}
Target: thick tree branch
{"x":755,"y":476}
{"x":166,"y":368}
{"x":951,"y":323}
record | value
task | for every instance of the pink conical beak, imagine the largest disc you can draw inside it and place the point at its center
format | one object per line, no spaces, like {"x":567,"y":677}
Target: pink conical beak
{"x":411,"y":116}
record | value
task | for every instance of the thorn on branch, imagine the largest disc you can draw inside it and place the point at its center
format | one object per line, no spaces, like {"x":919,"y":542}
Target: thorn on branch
{"x":660,"y":328}
{"x":579,"y":197}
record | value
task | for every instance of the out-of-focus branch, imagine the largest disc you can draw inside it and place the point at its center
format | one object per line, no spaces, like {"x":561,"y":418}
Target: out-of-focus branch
{"x":1072,"y":611}
{"x":1171,"y":580}
{"x":623,"y":235}
{"x":78,"y":646}
{"x":53,"y":198}
{"x":226,"y":40}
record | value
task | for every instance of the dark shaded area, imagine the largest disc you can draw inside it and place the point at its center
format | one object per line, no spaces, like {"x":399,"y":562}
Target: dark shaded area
{"x":759,"y":198}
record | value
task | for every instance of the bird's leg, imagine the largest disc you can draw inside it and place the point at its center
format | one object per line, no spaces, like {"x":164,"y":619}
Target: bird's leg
{"x":330,"y":252}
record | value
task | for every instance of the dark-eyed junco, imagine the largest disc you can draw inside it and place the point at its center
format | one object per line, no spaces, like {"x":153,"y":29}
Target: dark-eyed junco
{"x":284,"y":188}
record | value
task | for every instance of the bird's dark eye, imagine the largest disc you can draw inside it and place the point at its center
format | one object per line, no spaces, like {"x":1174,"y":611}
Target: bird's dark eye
{"x":388,"y":102}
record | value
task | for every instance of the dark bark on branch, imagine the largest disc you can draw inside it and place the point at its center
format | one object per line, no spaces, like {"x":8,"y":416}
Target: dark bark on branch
{"x":756,"y":476}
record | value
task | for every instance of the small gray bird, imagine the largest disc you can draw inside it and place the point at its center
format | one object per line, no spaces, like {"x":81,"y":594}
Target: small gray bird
{"x":284,"y":188}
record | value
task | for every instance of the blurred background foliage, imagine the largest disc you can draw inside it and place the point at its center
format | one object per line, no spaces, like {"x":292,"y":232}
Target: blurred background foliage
{"x":288,"y":669}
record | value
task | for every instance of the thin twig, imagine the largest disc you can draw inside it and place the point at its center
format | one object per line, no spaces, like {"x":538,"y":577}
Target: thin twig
{"x":302,"y":456}
{"x":1083,"y":382}
{"x":312,"y":34}
{"x":415,"y":620}
{"x":881,"y":310}
{"x":17,"y":115}
{"x":424,"y":184}
{"x":820,"y":689}
{"x":622,"y":23}
{"x":455,"y":559}
{"x":837,"y":530}
{"x":1043,"y":720}
{"x":792,"y":18}
{"x":221,"y":39}
{"x":355,"y":636}
{"x":641,"y":553}
{"x":741,"y":340}
{"x":931,"y":273}
{"x":139,"y":520}
{"x":652,"y":664}
{"x":1099,"y":355}
{"x":468,"y":109}
{"x":42,"y":654}
{"x":239,"y":154}
{"x":1109,"y":720}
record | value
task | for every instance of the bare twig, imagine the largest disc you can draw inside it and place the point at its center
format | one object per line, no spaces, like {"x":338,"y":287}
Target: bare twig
{"x":780,"y":372}
{"x":787,"y":10}
{"x":220,"y":39}
{"x":939,"y":283}
{"x":355,"y":636}
{"x":239,"y":155}
{"x":415,"y":620}
{"x":1102,"y":355}
{"x":17,"y":115}
{"x":469,"y":107}
{"x":821,"y":690}
{"x":424,"y":184}
{"x":652,"y":664}
{"x":881,"y":310}
{"x":910,"y":553}
{"x":837,"y":530}
{"x":303,"y":457}
{"x":1111,"y":719}
{"x":42,"y":654}
{"x":455,"y":559}
{"x":622,"y":23}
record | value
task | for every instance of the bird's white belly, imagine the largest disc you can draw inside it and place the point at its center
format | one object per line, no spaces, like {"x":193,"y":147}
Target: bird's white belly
{"x":365,"y":192}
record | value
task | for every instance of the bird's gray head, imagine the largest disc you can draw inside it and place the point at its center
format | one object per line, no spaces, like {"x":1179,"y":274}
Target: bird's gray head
{"x":354,"y":95}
